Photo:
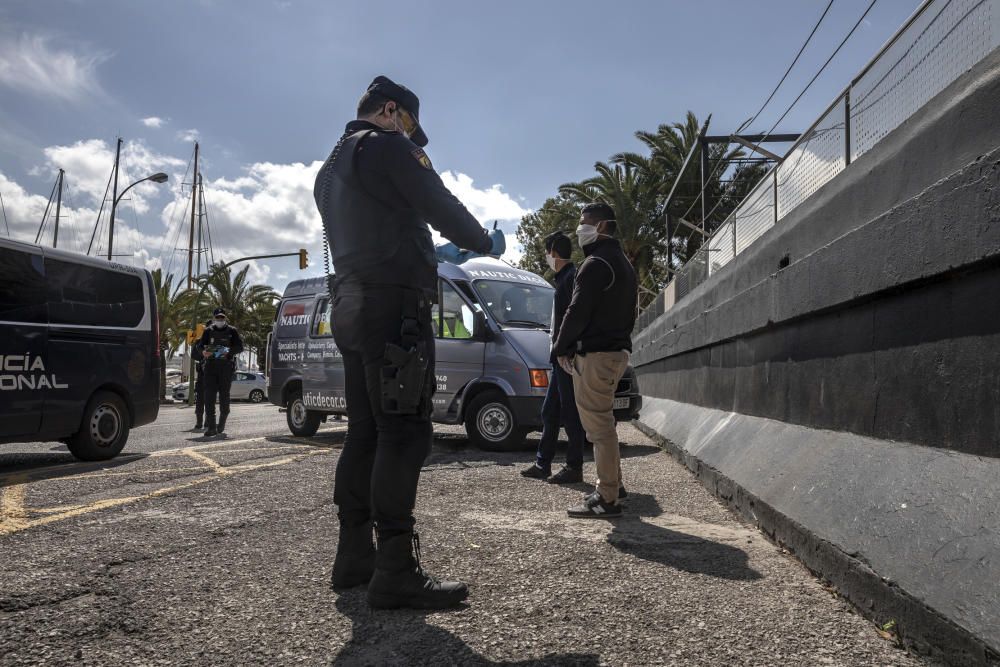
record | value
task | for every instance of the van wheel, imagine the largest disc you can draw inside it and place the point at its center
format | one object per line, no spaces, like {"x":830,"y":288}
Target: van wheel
{"x":301,"y":422}
{"x":256,"y":396}
{"x":491,"y":424}
{"x":104,"y":429}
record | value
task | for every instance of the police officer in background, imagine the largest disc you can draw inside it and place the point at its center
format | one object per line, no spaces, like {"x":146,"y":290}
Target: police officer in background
{"x":376,"y":194}
{"x":220,"y":344}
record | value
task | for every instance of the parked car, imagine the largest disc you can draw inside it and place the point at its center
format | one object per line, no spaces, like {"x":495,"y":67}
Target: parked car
{"x":492,"y":347}
{"x":246,"y":387}
{"x":79,"y":353}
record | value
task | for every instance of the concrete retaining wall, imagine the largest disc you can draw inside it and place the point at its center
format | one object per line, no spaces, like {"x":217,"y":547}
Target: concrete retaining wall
{"x":856,"y":393}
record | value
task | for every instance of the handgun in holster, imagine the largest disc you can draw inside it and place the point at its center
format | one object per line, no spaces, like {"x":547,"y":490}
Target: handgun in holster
{"x":404,"y":371}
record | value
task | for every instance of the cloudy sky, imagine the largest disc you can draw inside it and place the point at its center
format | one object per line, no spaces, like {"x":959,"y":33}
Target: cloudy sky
{"x":516,"y":97}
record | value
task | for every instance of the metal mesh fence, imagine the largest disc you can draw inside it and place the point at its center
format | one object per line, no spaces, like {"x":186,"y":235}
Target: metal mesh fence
{"x":756,"y":215}
{"x":818,"y":156}
{"x":944,"y":39}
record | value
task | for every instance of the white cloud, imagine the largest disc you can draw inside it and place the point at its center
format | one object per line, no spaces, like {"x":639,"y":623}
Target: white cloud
{"x":188,"y":135}
{"x":487,"y":204}
{"x":153,"y":121}
{"x":88,"y":165}
{"x":30,"y":63}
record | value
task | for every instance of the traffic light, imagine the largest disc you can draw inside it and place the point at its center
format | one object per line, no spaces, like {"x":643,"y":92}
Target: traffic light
{"x":303,"y":258}
{"x":195,"y":336}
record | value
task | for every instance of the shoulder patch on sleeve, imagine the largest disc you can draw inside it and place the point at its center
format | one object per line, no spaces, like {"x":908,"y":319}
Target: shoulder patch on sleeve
{"x":420,"y":156}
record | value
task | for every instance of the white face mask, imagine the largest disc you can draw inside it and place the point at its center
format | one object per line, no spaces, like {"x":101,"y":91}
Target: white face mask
{"x":551,"y":261}
{"x":219,"y":324}
{"x":587,"y":234}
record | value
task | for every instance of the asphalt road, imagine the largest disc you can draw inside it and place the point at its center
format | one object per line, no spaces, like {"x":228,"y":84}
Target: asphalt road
{"x":193,"y":551}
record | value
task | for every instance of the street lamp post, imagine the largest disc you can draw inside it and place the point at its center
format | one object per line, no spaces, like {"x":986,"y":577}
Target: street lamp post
{"x":158,"y":177}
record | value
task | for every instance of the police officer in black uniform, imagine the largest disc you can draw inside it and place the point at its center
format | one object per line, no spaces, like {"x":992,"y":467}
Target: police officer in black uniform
{"x":220,"y":344}
{"x":376,"y":194}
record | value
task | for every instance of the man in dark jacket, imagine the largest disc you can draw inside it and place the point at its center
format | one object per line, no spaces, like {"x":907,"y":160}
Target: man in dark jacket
{"x":593,"y":346}
{"x":559,"y":407}
{"x":220,"y":344}
{"x":376,"y":194}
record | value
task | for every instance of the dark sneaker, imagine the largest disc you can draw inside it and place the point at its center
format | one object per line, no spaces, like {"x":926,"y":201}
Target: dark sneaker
{"x":594,"y":507}
{"x":535,"y":472}
{"x":211,"y":432}
{"x":567,"y":476}
{"x":199,"y":426}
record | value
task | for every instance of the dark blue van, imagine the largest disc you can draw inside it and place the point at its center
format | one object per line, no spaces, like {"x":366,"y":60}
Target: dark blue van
{"x":79,"y":353}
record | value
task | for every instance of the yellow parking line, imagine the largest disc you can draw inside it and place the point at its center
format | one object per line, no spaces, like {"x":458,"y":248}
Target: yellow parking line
{"x":13,"y":516}
{"x":214,"y":465}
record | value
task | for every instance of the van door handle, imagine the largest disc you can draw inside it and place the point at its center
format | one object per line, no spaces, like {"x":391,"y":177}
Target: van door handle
{"x":86,"y":335}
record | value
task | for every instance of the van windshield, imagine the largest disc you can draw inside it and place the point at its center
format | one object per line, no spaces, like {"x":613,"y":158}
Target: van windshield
{"x":517,"y":305}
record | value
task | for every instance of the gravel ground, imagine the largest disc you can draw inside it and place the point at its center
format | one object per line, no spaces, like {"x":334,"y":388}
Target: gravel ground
{"x":234,"y":569}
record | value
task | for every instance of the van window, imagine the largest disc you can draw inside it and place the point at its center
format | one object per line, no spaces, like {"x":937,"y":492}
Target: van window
{"x":321,"y":326}
{"x":293,"y":321}
{"x":87,"y":295}
{"x":516,"y":304}
{"x":452,"y":318}
{"x":22,"y":287}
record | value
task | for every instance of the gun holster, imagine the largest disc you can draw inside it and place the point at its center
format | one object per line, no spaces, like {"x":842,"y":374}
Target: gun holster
{"x":404,"y":370}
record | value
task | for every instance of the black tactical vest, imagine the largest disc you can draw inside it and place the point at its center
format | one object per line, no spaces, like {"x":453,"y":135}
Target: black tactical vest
{"x":371,"y":241}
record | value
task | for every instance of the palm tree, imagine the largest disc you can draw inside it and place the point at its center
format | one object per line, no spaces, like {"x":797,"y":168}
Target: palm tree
{"x":250,"y":308}
{"x":668,"y":146}
{"x":173,"y":305}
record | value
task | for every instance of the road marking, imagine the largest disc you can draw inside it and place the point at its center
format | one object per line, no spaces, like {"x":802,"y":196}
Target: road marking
{"x":14,"y":515}
{"x":12,"y":507}
{"x":214,"y":465}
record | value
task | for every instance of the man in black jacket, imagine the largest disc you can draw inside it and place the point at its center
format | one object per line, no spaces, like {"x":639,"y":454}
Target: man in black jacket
{"x":593,"y":346}
{"x":559,"y":407}
{"x":220,"y":344}
{"x":376,"y":193}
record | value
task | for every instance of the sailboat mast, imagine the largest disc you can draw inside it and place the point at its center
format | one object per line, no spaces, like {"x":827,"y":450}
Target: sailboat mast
{"x":55,"y":237}
{"x":201,"y":222}
{"x":114,"y":198}
{"x":194,"y":207}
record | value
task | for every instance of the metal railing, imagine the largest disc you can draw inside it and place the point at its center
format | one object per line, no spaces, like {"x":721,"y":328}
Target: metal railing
{"x":939,"y":42}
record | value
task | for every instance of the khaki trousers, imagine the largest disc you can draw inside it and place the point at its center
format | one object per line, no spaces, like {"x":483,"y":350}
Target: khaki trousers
{"x":594,"y":382}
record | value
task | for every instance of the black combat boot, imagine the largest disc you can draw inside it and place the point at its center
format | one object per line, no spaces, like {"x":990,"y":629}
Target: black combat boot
{"x":355,"y":559}
{"x":222,"y":426}
{"x":399,"y":581}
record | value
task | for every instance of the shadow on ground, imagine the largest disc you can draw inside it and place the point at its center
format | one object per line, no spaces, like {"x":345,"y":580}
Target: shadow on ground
{"x":406,"y":637}
{"x":20,"y":468}
{"x":675,"y":549}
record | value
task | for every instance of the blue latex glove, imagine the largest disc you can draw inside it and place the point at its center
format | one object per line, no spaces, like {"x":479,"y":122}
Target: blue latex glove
{"x":449,"y":252}
{"x":499,"y":243}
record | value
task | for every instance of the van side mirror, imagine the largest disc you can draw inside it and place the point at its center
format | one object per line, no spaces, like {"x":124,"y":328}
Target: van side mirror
{"x":480,"y":328}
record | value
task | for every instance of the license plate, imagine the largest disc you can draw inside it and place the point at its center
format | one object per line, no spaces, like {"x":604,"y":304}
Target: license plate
{"x":621,"y":403}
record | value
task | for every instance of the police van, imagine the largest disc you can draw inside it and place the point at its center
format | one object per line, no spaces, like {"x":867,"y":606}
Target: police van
{"x":491,"y":325}
{"x":79,"y":352}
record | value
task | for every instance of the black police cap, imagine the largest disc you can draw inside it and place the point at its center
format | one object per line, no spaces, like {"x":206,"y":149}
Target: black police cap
{"x":219,"y":311}
{"x":404,"y":97}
